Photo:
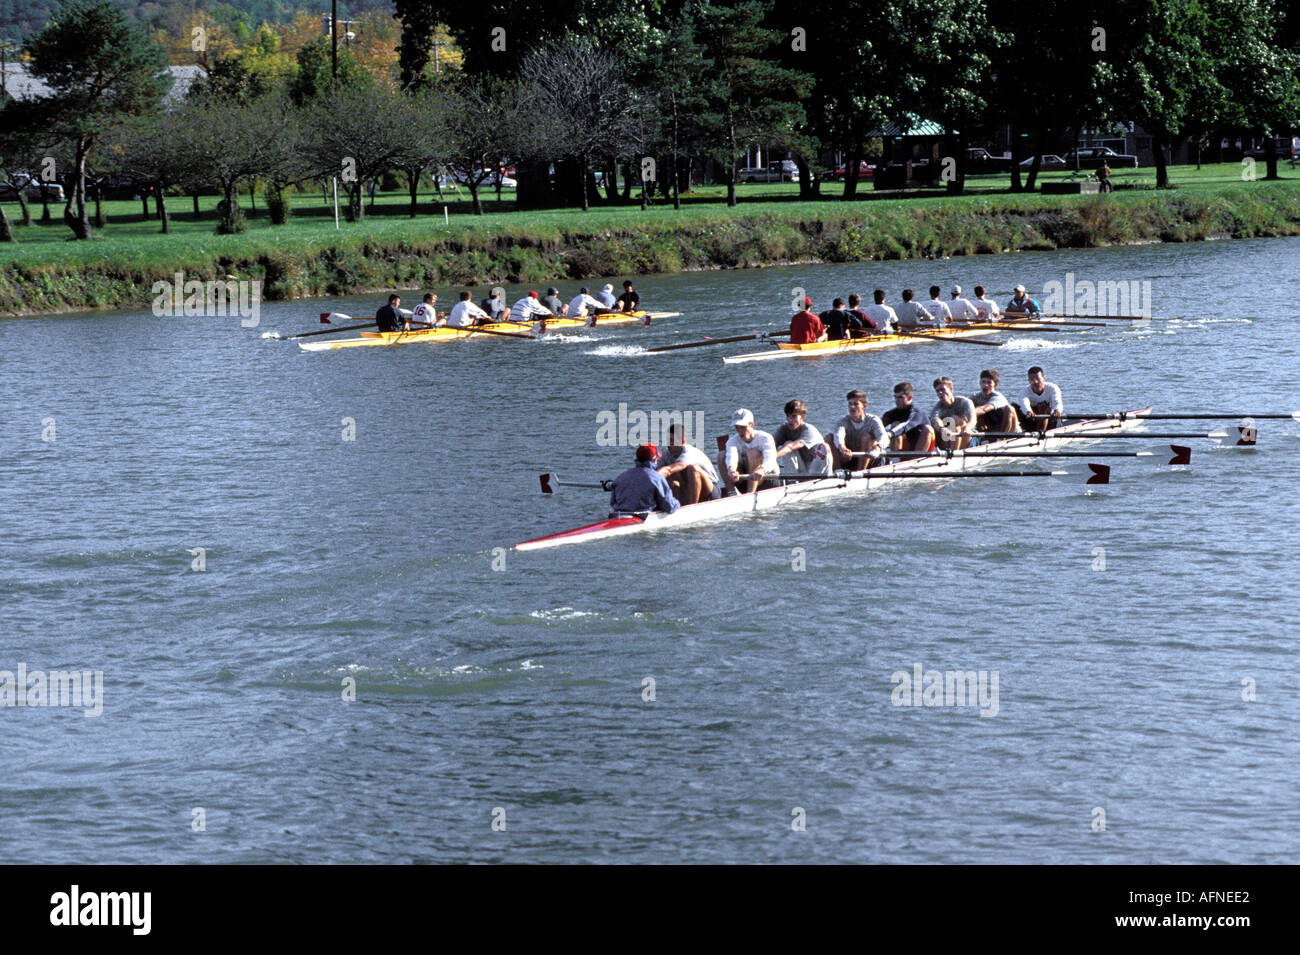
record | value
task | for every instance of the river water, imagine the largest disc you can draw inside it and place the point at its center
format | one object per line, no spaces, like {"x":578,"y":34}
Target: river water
{"x":240,"y":536}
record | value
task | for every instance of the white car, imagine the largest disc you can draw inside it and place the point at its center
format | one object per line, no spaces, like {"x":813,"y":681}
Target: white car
{"x":489,"y":179}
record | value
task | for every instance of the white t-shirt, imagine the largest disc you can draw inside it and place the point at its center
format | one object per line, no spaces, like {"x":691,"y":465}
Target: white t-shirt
{"x":914,"y":313}
{"x":424,"y":313}
{"x":606,"y":298}
{"x":736,"y":446}
{"x":578,"y":307}
{"x":883,"y":315}
{"x":963,"y":310}
{"x":989,"y":311}
{"x":463,"y":314}
{"x":1051,"y":394}
{"x":997,"y":400}
{"x":524,"y":310}
{"x":939,"y":310}
{"x":689,"y":455}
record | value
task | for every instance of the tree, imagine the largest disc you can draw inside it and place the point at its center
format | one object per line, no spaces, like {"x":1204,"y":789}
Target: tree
{"x":357,"y":133}
{"x":486,"y":120}
{"x":425,"y":145}
{"x":229,"y":143}
{"x":315,"y":76}
{"x":750,"y":98}
{"x":675,"y":74}
{"x":102,"y":71}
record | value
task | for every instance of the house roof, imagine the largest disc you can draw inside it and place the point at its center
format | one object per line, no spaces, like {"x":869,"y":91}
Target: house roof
{"x":22,"y":85}
{"x":922,"y":127}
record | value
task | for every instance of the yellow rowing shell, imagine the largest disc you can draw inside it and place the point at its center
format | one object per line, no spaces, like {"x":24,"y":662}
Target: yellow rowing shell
{"x":872,"y":342}
{"x":493,"y":330}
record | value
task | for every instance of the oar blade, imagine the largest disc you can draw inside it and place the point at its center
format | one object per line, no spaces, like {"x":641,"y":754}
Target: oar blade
{"x":1182,"y":454}
{"x":546,"y":483}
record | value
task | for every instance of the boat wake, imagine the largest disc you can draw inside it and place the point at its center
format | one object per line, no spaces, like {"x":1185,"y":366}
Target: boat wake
{"x":616,"y":351}
{"x":271,"y":334}
{"x":559,"y":338}
{"x":1035,"y":344}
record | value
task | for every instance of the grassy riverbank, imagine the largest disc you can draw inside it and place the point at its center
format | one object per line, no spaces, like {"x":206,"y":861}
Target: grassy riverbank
{"x":308,"y":257}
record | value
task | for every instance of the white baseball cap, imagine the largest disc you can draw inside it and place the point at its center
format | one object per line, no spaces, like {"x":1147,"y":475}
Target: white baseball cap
{"x":956,"y":290}
{"x":1019,"y":288}
{"x":742,"y":416}
{"x":608,"y":288}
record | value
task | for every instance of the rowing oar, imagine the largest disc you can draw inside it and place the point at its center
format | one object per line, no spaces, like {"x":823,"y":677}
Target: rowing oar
{"x":718,"y":341}
{"x":941,"y":338}
{"x":1193,"y":416}
{"x":1217,"y":436}
{"x":1113,"y":318}
{"x":552,"y":481}
{"x":1096,"y":474}
{"x":334,"y":331}
{"x":1052,"y":322}
{"x":1182,"y":454}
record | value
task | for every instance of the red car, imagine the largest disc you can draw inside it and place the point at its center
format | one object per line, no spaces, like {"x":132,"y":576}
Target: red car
{"x":864,"y":171}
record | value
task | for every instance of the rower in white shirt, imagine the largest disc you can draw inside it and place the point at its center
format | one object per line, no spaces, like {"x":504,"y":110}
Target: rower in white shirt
{"x":583,"y":305}
{"x":992,"y":410}
{"x":748,"y":453}
{"x":988,"y":309}
{"x":938,"y":309}
{"x":529,"y":309}
{"x":425,"y":315}
{"x":1040,"y":406}
{"x":465,"y":313}
{"x":963,"y":310}
{"x":688,"y":470}
{"x":882,"y":314}
{"x":859,"y":438}
{"x":914,"y":314}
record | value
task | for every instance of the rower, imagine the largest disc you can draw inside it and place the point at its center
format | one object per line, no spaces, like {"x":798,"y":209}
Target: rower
{"x":1022,"y":303}
{"x":389,"y":318}
{"x":805,"y":327}
{"x":937,"y":308}
{"x":952,"y":417}
{"x":906,"y":424}
{"x":987,"y":308}
{"x":886,"y":318}
{"x":465,"y":313}
{"x":1040,"y":407}
{"x":552,"y":301}
{"x":840,"y":323}
{"x":914,"y":314}
{"x":963,"y":310}
{"x":529,"y":309}
{"x":494,"y":305}
{"x":869,"y":324}
{"x":582,"y":303}
{"x":606,"y":296}
{"x":992,"y":410}
{"x":859,"y":438}
{"x":688,"y":470}
{"x":425,"y":315}
{"x":629,"y":300}
{"x":800,"y":444}
{"x":748,"y":452}
{"x":641,"y":488}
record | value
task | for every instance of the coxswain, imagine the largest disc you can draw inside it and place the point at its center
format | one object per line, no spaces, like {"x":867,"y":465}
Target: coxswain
{"x":583,"y":305}
{"x":529,"y":309}
{"x":937,"y":308}
{"x":606,"y":296}
{"x":805,"y":327}
{"x":869,"y":324}
{"x":906,"y":424}
{"x":641,"y":488}
{"x":465,"y":313}
{"x":1040,"y":407}
{"x":389,"y":317}
{"x":802,"y":447}
{"x":552,"y":301}
{"x":688,"y":470}
{"x":425,"y":315}
{"x":1022,"y":304}
{"x":629,"y":300}
{"x":495,"y":305}
{"x":839,"y":322}
{"x":858,"y":440}
{"x":992,"y":410}
{"x":952,"y":417}
{"x":885,"y":317}
{"x":748,"y":453}
{"x":963,"y":309}
{"x":987,"y":308}
{"x":914,"y":314}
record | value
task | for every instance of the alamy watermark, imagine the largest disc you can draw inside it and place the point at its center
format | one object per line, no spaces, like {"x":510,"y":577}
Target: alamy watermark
{"x":210,"y":299}
{"x":83,"y":688}
{"x":1086,"y":297}
{"x":625,"y":428}
{"x":924,"y":687}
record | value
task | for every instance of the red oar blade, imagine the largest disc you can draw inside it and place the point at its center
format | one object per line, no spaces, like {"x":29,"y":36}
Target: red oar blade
{"x":1182,"y":454}
{"x":324,"y":318}
{"x":1100,"y":474}
{"x":546,"y":484}
{"x":1247,"y":437}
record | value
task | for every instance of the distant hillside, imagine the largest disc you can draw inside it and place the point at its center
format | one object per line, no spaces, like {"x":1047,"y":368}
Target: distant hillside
{"x":22,"y":18}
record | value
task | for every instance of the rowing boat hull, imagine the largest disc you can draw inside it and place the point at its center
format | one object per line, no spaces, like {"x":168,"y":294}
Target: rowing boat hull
{"x":822,"y":489}
{"x":873,"y":343}
{"x":434,"y":336}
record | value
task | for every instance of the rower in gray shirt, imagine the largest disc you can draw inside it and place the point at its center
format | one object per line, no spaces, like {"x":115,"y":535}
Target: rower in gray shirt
{"x":956,"y":409}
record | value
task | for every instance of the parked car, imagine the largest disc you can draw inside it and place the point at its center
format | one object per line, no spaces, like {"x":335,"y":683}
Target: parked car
{"x":1287,"y":148}
{"x":865,"y":171}
{"x":981,"y":160}
{"x":31,"y":188}
{"x":1091,"y":157}
{"x":1050,"y":161}
{"x":778,"y":170}
{"x":489,"y":180}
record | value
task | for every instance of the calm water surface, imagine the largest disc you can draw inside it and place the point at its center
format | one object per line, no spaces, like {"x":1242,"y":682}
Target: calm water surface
{"x":515,"y":692}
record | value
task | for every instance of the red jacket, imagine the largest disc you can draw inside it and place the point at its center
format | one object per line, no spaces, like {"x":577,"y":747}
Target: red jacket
{"x":805,"y":327}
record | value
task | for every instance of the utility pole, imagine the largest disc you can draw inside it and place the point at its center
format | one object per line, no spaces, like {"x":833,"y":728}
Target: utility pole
{"x":334,"y":38}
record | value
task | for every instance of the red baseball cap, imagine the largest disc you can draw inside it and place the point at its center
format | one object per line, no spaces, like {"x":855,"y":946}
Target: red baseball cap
{"x":647,"y":452}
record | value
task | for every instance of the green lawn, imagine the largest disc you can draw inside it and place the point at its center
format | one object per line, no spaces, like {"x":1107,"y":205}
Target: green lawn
{"x":129,"y":241}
